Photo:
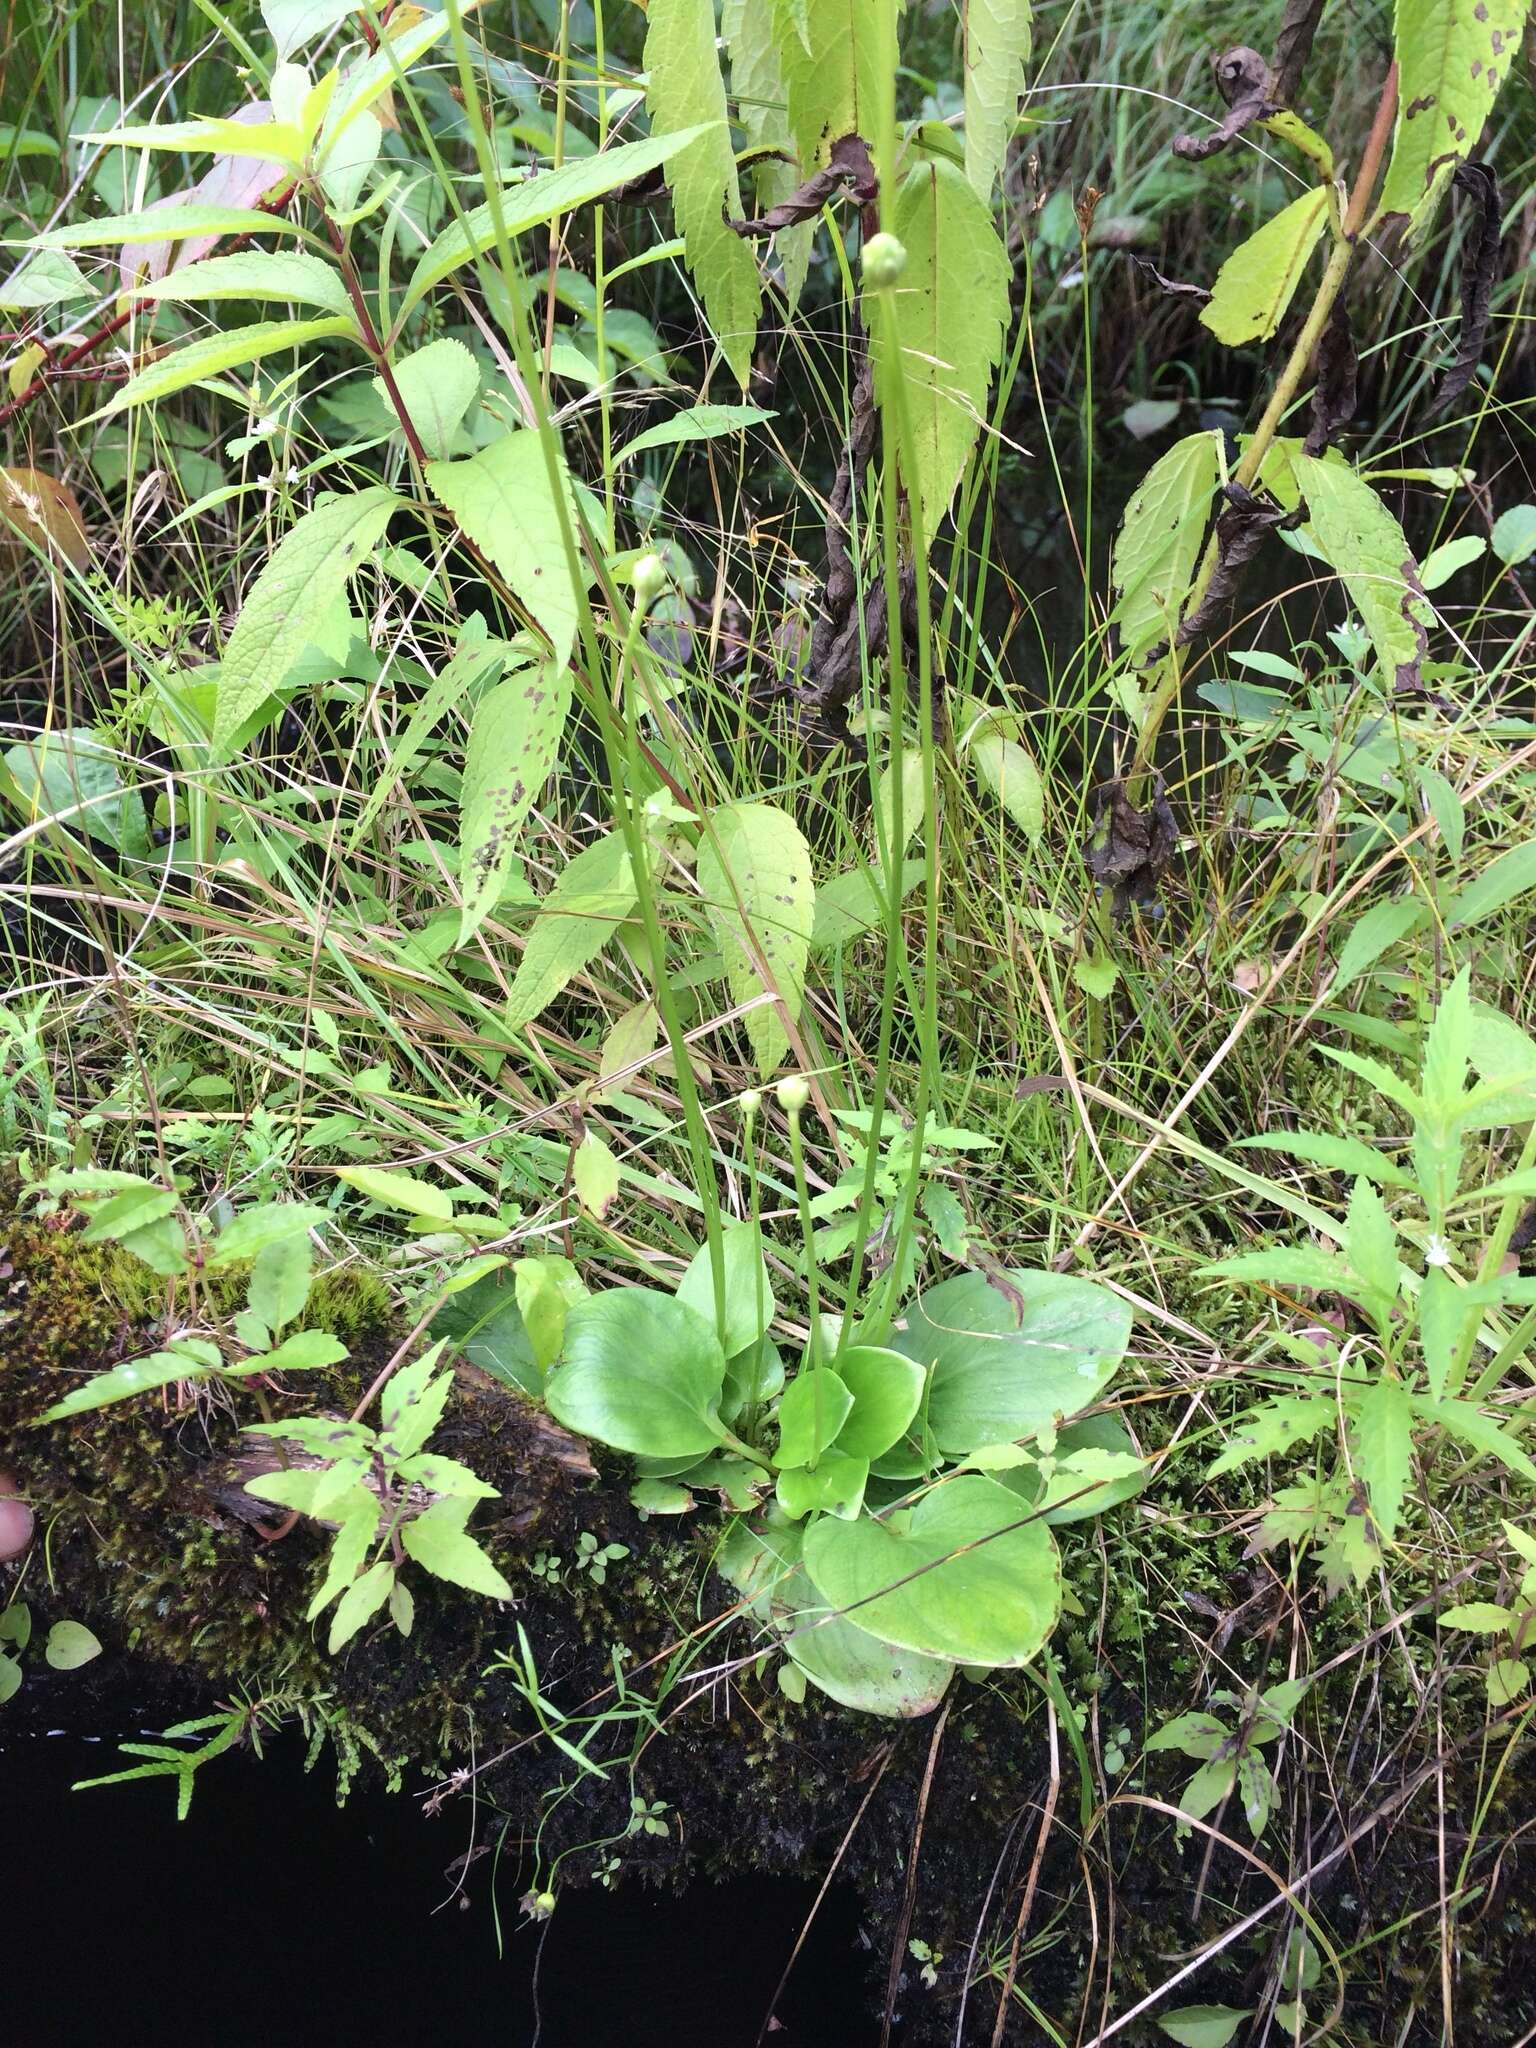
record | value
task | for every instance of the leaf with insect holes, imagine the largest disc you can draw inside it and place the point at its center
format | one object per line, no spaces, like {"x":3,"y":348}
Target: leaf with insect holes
{"x":754,"y":872}
{"x":503,"y":500}
{"x":1256,"y":284}
{"x":305,"y":573}
{"x":835,"y":55}
{"x":1272,"y":1429}
{"x":997,"y":40}
{"x":437,"y":386}
{"x":1158,"y":544}
{"x":684,"y":90}
{"x":513,"y":745}
{"x":589,"y":901}
{"x":947,"y":316}
{"x":1452,"y":58}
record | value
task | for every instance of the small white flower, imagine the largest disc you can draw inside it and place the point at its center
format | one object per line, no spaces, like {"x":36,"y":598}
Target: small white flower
{"x":1437,"y":1252}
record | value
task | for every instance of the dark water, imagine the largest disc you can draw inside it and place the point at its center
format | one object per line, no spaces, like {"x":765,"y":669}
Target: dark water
{"x":270,"y":1918}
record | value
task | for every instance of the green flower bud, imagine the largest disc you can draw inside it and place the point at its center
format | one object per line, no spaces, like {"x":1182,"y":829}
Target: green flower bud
{"x":884,"y":260}
{"x":750,"y":1102}
{"x":793,"y":1092}
{"x":649,"y":578}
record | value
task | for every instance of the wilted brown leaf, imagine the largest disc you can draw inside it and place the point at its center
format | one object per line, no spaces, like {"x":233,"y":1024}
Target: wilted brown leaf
{"x":44,"y":511}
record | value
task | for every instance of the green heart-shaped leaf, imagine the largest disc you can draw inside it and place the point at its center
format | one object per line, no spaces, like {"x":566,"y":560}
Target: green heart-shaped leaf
{"x":642,"y":1372}
{"x":1009,"y":1360}
{"x":963,"y":1575}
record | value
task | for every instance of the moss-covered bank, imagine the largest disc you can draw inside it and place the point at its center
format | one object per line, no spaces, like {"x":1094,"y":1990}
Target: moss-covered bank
{"x":144,"y":1534}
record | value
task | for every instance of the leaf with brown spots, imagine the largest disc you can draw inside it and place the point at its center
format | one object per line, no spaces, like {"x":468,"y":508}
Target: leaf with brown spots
{"x":1452,"y":58}
{"x":513,"y":744}
{"x":1334,"y":395}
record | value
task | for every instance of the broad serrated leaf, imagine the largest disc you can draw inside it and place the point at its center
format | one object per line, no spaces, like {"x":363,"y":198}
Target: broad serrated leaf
{"x":503,"y":500}
{"x":837,"y":56}
{"x":304,"y":575}
{"x":1479,"y":1432}
{"x":1158,"y":544}
{"x":513,"y":744}
{"x":997,"y":40}
{"x":255,"y":274}
{"x":530,"y":202}
{"x":437,"y":386}
{"x":438,"y":1541}
{"x":360,"y":1602}
{"x":754,"y":871}
{"x":229,"y":350}
{"x":948,"y":312}
{"x":1366,"y":549}
{"x":1256,"y":284}
{"x":1336,"y":1151}
{"x":750,"y":32}
{"x":1272,"y":1429}
{"x":586,"y":906}
{"x":1452,"y":58}
{"x":1384,"y":1449}
{"x":684,"y":90}
{"x":138,"y":1376}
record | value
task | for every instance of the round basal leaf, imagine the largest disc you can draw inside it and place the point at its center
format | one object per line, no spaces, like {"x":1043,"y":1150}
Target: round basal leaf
{"x":642,"y":1372}
{"x":962,"y":1575}
{"x":886,"y":1387}
{"x":836,"y":1487}
{"x":1009,"y":1360}
{"x":70,"y":1644}
{"x":811,"y":1413}
{"x":845,"y":1662}
{"x":748,"y":1307}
